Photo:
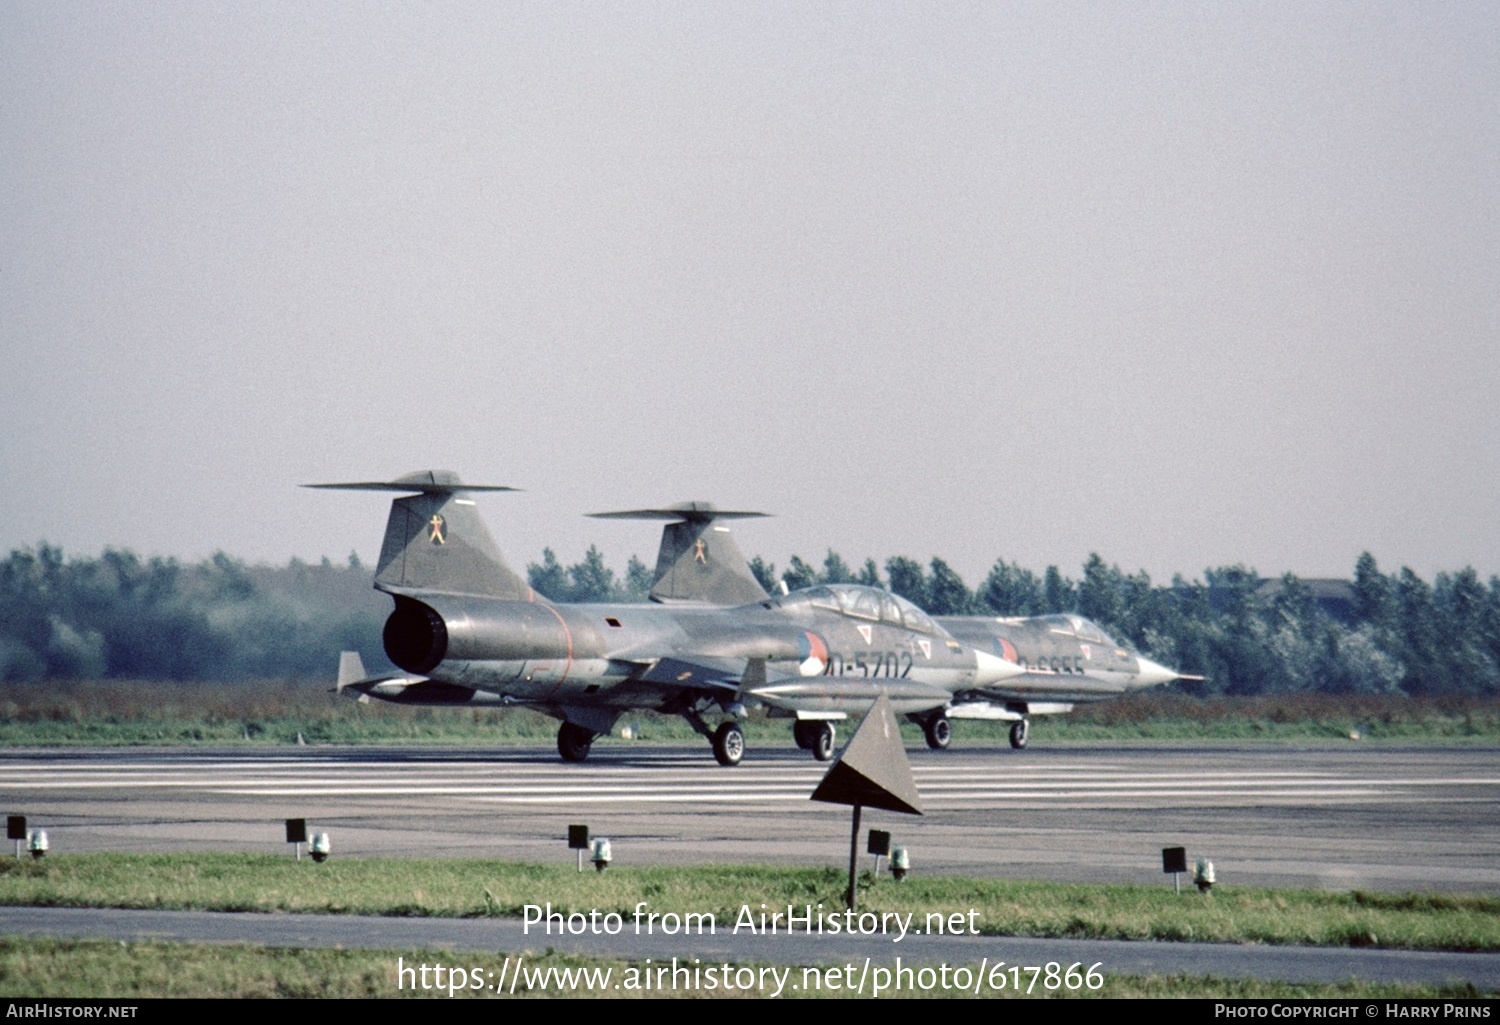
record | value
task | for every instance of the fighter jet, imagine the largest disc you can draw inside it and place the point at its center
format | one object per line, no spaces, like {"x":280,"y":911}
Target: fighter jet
{"x":1066,"y":659}
{"x":466,"y":630}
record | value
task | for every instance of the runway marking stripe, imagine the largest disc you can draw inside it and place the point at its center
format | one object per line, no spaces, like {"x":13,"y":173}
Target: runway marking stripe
{"x":1350,"y":792}
{"x":771,"y":793}
{"x":25,"y":774}
{"x":476,"y":790}
{"x":737,"y":798}
{"x":684,"y":779}
{"x":694,"y":775}
{"x":646,"y":786}
{"x":178,"y":783}
{"x":109,"y":779}
{"x":354,"y":784}
{"x":370,"y":784}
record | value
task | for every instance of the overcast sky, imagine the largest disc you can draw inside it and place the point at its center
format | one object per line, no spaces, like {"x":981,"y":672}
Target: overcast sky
{"x":1186,"y":284}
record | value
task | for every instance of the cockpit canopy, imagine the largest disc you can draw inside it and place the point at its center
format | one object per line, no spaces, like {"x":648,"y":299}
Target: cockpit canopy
{"x":860,"y":602}
{"x":1076,"y":626}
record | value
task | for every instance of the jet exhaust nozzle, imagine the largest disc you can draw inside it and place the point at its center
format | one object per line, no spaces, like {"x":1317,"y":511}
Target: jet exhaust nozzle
{"x":415,"y":636}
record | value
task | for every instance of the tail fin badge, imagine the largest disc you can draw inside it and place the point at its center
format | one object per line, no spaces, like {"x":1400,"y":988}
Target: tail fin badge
{"x":700,"y":551}
{"x":437,"y":525}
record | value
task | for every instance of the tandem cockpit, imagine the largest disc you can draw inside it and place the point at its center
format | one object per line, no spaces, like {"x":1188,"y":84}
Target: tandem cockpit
{"x":858,"y":601}
{"x":1068,"y":625}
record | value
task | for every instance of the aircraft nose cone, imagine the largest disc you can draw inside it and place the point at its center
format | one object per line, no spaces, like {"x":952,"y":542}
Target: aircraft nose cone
{"x":992,"y":668}
{"x":1149,"y":674}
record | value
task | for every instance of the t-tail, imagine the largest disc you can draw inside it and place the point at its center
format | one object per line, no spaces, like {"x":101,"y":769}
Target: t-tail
{"x":436,"y":543}
{"x":699,"y":560}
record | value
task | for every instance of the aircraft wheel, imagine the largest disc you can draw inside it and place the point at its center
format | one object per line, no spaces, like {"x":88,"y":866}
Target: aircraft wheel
{"x":573,"y":742}
{"x":822,"y":741}
{"x":802,"y":733}
{"x":729,"y":744}
{"x":1018,"y":731}
{"x":939,"y":732}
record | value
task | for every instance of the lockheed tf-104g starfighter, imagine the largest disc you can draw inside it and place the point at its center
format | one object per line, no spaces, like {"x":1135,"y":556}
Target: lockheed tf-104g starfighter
{"x":466,"y":630}
{"x":1066,"y":659}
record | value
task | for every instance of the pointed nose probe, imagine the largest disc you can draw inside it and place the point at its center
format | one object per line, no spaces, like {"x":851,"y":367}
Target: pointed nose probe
{"x":992,"y":668}
{"x":1149,"y":673}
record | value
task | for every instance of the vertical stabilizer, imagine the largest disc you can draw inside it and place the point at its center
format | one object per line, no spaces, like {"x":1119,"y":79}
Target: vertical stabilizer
{"x":699,"y":559}
{"x":435,"y":540}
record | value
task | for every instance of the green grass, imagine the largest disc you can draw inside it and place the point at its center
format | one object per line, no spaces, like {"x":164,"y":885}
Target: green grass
{"x":1165,"y":715}
{"x":123,"y":712}
{"x":453,"y":888}
{"x":104,"y":969}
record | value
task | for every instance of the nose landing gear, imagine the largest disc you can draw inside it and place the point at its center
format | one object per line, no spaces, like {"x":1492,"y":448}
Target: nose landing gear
{"x":1018,"y":733}
{"x":816,"y":736}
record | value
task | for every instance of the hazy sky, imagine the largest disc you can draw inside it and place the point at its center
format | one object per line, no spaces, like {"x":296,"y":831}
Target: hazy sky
{"x":1187,"y":284}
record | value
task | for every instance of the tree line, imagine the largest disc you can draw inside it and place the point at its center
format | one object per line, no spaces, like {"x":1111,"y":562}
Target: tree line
{"x":1389,"y":633}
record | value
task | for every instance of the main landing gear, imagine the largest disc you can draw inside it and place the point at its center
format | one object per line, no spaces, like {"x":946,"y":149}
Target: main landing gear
{"x":573,"y":742}
{"x":1018,"y":732}
{"x":728,"y":740}
{"x":729,"y":743}
{"x":815,"y":735}
{"x":939,"y":732}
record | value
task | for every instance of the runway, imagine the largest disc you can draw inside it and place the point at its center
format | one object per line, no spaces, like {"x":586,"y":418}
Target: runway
{"x":1337,"y":817}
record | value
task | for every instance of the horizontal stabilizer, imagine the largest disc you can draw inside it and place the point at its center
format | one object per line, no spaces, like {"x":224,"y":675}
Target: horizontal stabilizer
{"x":428,"y":482}
{"x":688,"y":512}
{"x":351,"y":668}
{"x":354,"y":683}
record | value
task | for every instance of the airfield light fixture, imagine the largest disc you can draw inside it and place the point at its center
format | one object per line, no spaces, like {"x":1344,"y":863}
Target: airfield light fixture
{"x":900,"y":863}
{"x":602,"y":855}
{"x":1203,"y":875}
{"x":37,"y":843}
{"x":321,"y":847}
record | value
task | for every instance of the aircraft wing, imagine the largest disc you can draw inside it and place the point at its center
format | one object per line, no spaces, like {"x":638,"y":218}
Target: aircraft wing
{"x":701,"y":672}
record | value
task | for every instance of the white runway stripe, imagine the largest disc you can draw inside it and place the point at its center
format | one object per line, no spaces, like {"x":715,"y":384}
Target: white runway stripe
{"x":684,"y":779}
{"x":352,"y":788}
{"x":929,"y":805}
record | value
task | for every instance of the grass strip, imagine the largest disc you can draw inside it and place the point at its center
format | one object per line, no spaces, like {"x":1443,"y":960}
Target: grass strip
{"x":468,"y":888}
{"x":38,"y":969}
{"x":126,"y":712}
